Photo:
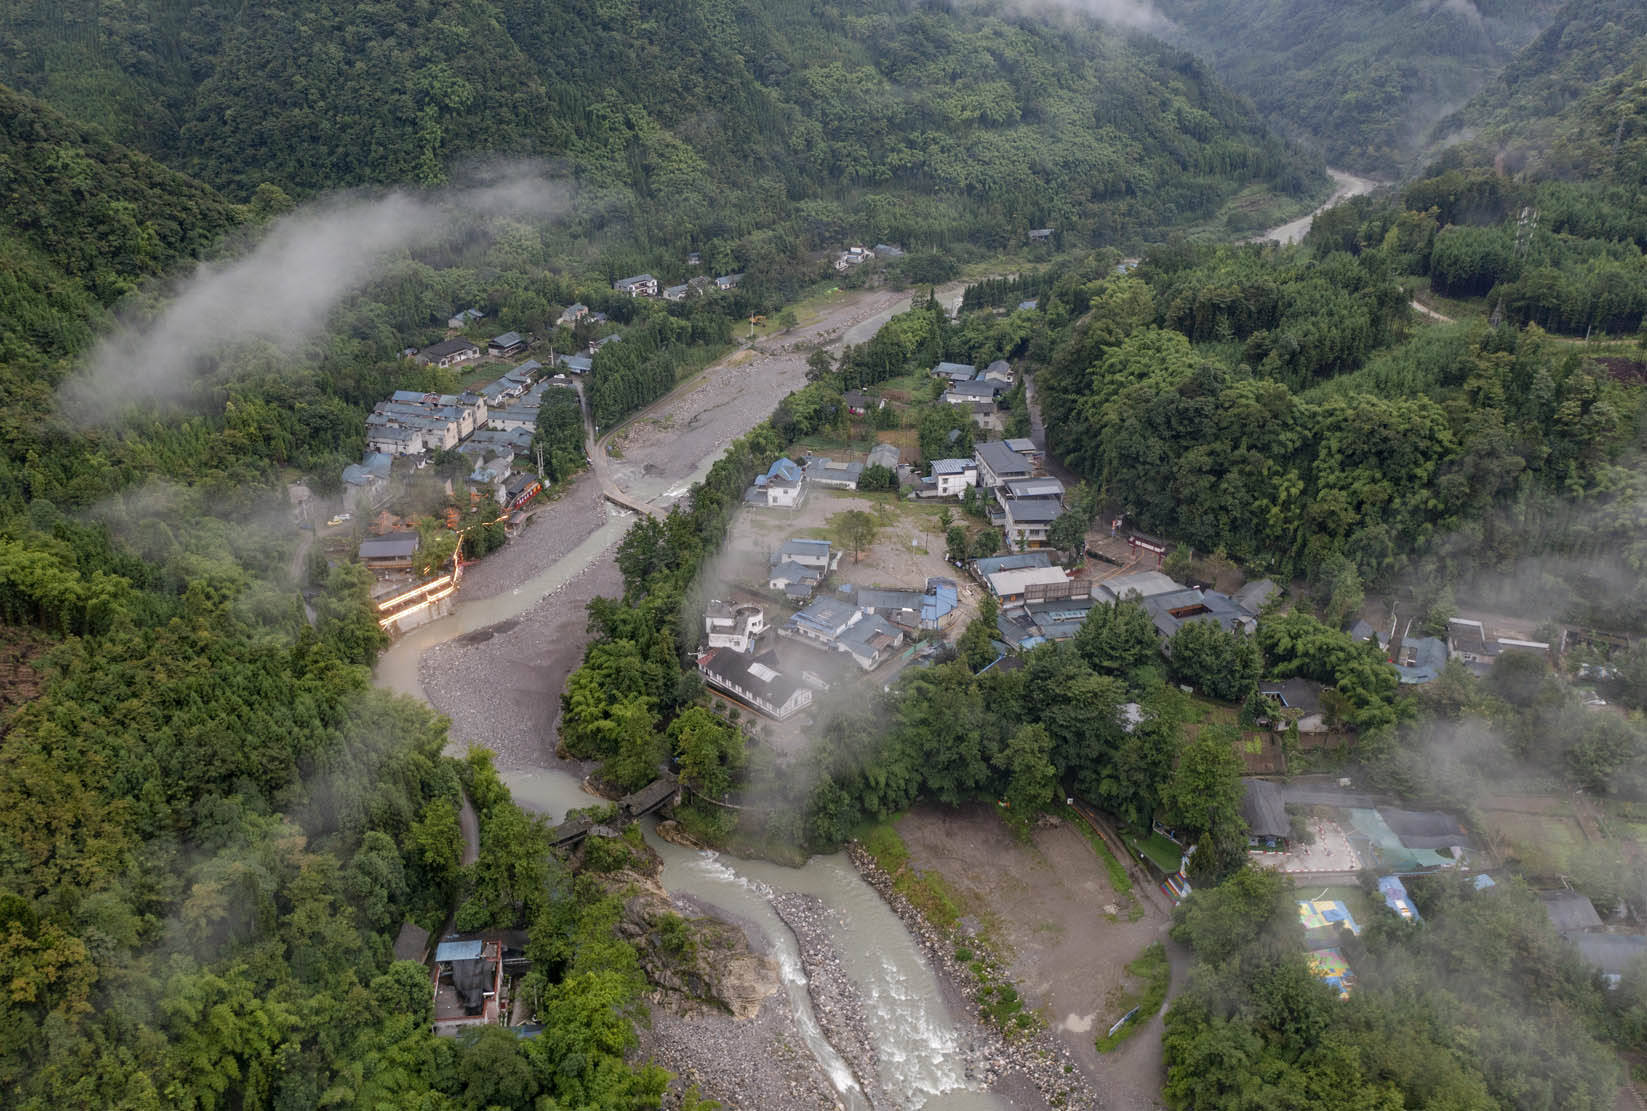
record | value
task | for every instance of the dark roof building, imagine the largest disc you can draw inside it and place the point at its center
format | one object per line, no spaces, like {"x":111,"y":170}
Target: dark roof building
{"x":755,"y":681}
{"x":1570,"y":912}
{"x":1264,"y":811}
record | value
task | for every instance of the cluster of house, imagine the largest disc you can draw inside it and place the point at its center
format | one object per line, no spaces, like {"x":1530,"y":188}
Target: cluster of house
{"x":863,"y":625}
{"x":786,"y":481}
{"x":857,"y":256}
{"x":493,"y":426}
{"x":645,"y":285}
{"x":1421,"y":659}
{"x":1041,"y":602}
{"x":967,"y":385}
{"x":1023,"y":502}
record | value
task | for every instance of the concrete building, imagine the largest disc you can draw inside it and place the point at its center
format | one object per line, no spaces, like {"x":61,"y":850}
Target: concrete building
{"x":736,"y":627}
{"x":951,"y":477}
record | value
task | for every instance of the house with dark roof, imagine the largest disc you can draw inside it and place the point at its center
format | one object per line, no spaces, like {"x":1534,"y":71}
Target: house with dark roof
{"x":468,"y":984}
{"x":949,"y":478}
{"x":887,"y":250}
{"x":1300,"y":701}
{"x":824,"y":471}
{"x":823,"y":621}
{"x":1569,"y":912}
{"x":857,"y":402}
{"x":1254,"y":596}
{"x":449,"y":352}
{"x":759,"y":682}
{"x":884,"y":455}
{"x":1000,"y":372}
{"x":1174,"y":610}
{"x":1268,"y":826}
{"x":998,"y":463}
{"x":389,"y":553}
{"x":465,"y":318}
{"x":870,"y":641}
{"x":1611,"y":955}
{"x":976,"y":392}
{"x":728,"y":281}
{"x":676,"y":292}
{"x":1420,"y":659}
{"x":509,"y":343}
{"x":576,"y":364}
{"x":915,"y":610}
{"x":819,"y":555}
{"x":796,"y":580}
{"x":1027,"y":522}
{"x":955,"y":372}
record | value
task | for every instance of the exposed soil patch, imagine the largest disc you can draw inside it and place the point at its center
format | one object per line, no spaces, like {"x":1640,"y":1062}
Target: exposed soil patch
{"x":20,"y":680}
{"x":1047,"y":905}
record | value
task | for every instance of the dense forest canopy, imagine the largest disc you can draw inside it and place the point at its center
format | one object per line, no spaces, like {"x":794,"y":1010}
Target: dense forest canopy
{"x":686,"y":125}
{"x":1573,"y":105}
{"x":1362,"y":80}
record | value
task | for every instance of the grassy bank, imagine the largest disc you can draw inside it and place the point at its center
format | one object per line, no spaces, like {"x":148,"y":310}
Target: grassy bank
{"x":1153,"y":975}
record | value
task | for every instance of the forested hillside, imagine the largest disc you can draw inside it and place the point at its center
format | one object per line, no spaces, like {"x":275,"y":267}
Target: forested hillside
{"x":688,"y":125}
{"x":1572,"y":105}
{"x":1361,"y":79}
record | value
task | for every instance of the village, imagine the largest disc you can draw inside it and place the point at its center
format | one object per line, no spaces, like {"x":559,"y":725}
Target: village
{"x":855,"y":557}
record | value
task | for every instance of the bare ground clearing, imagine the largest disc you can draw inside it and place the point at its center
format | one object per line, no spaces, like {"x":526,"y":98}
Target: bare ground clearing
{"x":1045,"y":904}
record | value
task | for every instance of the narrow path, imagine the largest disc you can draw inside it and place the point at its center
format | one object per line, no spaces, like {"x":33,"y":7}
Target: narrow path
{"x":1431,"y":313}
{"x":470,"y":825}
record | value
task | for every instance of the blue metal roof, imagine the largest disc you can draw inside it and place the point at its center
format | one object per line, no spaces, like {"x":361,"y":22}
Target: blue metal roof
{"x":469,"y":950}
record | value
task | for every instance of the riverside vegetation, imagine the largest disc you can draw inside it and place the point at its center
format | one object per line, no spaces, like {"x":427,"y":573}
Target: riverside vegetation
{"x":212,"y":825}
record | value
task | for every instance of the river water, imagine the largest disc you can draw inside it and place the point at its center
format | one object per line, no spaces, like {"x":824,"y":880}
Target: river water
{"x":1345,"y":186}
{"x":917,"y":1040}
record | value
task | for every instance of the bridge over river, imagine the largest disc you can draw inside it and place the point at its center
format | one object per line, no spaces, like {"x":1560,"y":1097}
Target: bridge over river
{"x":638,"y":805}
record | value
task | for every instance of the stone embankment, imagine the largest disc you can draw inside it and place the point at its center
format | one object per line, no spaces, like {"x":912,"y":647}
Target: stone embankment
{"x":1037,"y":1057}
{"x":835,"y":998}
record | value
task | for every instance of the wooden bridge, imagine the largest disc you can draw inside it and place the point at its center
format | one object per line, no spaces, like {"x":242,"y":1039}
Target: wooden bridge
{"x":638,"y":805}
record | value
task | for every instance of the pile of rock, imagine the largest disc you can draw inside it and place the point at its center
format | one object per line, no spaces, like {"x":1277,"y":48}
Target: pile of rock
{"x":1038,"y":1057}
{"x":835,"y":998}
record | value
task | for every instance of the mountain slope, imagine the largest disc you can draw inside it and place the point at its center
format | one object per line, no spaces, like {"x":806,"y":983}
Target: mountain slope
{"x":1363,"y":79}
{"x":689,"y":121}
{"x":1573,"y":104}
{"x":83,"y":220}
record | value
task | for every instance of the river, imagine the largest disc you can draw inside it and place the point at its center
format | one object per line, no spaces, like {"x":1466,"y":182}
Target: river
{"x":1345,"y":186}
{"x":918,"y":1041}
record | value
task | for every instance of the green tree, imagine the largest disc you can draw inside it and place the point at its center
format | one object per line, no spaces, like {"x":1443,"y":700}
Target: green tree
{"x":710,"y":753}
{"x":1222,"y":665}
{"x":855,"y":530}
{"x":1031,"y":779}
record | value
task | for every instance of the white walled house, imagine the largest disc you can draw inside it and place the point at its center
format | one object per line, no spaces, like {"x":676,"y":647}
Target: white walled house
{"x":733,"y":627}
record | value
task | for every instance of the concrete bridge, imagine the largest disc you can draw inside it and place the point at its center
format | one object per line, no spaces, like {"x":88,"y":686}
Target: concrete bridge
{"x":643,"y":802}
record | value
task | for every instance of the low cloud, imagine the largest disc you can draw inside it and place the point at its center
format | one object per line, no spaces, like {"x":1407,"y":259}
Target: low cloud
{"x":1133,"y":15}
{"x":282,"y":291}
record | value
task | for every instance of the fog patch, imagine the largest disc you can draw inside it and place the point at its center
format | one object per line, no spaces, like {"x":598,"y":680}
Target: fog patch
{"x":282,"y":291}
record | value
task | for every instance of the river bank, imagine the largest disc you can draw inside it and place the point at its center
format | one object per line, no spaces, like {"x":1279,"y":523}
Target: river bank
{"x":1032,"y":1063}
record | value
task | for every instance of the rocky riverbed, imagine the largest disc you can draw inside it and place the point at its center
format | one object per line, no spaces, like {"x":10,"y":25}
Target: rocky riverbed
{"x":501,"y":685}
{"x":835,"y":998}
{"x":1005,"y":1066}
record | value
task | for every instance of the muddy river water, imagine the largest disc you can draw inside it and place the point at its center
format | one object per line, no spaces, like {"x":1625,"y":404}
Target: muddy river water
{"x":917,"y":1039}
